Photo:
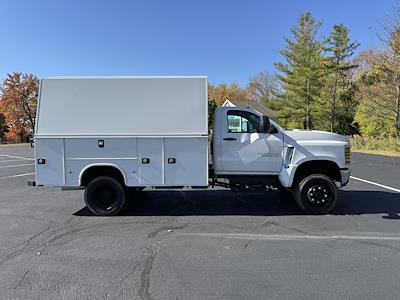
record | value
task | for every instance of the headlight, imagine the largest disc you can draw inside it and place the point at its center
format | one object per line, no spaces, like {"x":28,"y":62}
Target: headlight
{"x":347,"y":155}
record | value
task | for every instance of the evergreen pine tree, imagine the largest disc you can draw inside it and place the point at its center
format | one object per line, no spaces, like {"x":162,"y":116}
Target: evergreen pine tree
{"x":340,"y":85}
{"x":303,"y":73}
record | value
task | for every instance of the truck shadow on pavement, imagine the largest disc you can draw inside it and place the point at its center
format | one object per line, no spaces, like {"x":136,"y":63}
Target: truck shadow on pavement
{"x":224,"y":202}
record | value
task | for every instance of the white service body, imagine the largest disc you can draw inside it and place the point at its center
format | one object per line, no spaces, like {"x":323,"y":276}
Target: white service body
{"x":154,"y":130}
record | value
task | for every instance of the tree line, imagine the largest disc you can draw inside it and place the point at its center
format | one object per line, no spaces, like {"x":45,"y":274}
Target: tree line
{"x":319,"y":83}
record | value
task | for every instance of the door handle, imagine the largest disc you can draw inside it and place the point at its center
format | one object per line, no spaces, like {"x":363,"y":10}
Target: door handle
{"x":229,"y":139}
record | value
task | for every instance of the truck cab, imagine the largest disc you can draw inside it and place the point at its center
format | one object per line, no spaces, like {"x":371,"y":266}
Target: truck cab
{"x":246,"y":143}
{"x":251,"y":151}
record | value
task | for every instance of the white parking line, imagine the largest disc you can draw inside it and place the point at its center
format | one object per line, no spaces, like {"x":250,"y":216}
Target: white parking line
{"x":375,"y":183}
{"x":18,"y":175}
{"x":19,"y":157}
{"x":12,"y":166}
{"x":293,"y":237}
{"x":10,"y":160}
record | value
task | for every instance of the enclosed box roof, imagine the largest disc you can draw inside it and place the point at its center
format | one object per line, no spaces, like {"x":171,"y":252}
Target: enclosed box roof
{"x":119,"y":106}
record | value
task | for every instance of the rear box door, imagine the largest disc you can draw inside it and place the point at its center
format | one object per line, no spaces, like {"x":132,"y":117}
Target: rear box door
{"x":186,"y":161}
{"x":51,"y":152}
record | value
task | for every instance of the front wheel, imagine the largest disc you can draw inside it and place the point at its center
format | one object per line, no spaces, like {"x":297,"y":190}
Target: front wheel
{"x":105,"y":196}
{"x":316,"y":194}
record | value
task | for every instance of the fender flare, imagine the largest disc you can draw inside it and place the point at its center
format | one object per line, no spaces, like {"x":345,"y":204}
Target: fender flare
{"x":87,"y":167}
{"x":287,"y":177}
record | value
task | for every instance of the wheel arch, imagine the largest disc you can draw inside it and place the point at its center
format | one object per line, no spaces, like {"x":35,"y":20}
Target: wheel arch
{"x":326,"y":167}
{"x":101,"y":169}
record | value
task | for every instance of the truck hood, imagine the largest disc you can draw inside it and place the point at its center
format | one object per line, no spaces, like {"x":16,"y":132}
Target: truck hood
{"x":314,"y":136}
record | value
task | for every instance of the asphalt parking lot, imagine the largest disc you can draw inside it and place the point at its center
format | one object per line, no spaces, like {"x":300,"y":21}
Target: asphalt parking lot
{"x":199,"y":245}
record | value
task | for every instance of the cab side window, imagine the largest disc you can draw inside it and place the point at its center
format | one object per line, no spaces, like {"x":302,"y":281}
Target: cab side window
{"x":243,"y":121}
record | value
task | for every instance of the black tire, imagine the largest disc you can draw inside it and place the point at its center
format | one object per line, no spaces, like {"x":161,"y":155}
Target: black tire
{"x":105,"y":196}
{"x":316,"y":194}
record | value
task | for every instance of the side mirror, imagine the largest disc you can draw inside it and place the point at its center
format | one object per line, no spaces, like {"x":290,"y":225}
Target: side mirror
{"x":265,"y":127}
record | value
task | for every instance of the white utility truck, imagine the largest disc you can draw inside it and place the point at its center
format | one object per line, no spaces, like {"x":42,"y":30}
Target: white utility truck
{"x":109,"y":135}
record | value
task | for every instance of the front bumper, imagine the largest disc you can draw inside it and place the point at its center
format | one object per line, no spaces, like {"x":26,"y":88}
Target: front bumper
{"x":344,"y":176}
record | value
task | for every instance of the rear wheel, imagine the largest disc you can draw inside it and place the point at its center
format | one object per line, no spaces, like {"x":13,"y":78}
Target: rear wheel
{"x":105,"y":196}
{"x":316,"y":194}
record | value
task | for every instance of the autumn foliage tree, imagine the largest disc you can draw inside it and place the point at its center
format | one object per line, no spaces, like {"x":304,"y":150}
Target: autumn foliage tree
{"x":263,"y":87}
{"x":379,"y":94}
{"x":378,"y":83}
{"x":18,"y":101}
{"x":220,"y":93}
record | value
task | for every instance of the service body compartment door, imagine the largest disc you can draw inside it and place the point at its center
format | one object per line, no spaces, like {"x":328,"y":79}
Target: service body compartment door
{"x":186,"y":161}
{"x":82,"y":153}
{"x":151,"y":161}
{"x":51,"y":153}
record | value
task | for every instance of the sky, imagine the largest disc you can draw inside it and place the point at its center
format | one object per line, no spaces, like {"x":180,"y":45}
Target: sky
{"x":229,"y":41}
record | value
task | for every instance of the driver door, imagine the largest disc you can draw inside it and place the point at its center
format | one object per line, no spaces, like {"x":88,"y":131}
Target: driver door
{"x":246,"y":150}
